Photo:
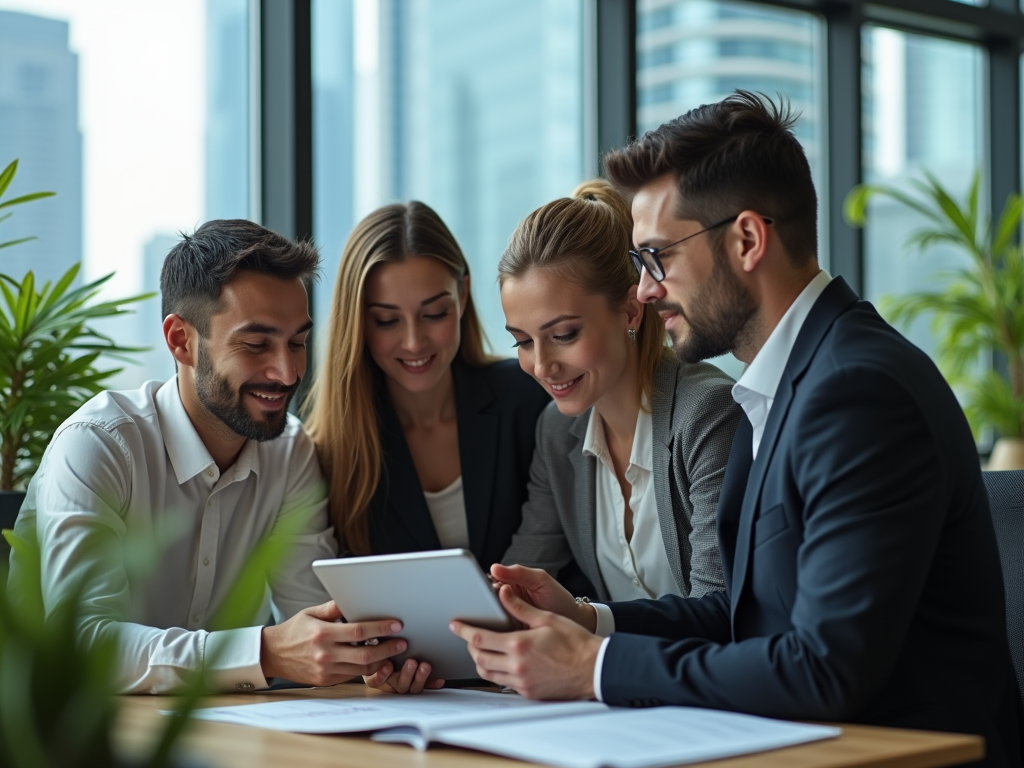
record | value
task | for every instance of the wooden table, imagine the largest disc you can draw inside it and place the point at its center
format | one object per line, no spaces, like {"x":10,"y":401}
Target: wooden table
{"x":222,"y":745}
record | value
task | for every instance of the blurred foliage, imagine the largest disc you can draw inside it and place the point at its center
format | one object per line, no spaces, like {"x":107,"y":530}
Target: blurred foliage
{"x":48,"y":354}
{"x":981,"y":308}
{"x":57,"y":702}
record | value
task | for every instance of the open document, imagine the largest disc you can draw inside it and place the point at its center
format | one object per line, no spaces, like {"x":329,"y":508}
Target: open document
{"x":572,"y":734}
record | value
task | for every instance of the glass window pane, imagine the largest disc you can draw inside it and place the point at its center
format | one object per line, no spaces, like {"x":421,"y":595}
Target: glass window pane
{"x":923,"y":108}
{"x":136,"y":113}
{"x":473,"y":108}
{"x":693,"y":52}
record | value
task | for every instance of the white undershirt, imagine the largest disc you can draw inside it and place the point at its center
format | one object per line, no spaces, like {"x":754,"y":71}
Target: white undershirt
{"x":636,"y":567}
{"x":448,"y":511}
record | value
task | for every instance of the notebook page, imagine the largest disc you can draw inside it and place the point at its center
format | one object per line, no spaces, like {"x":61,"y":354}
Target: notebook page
{"x":635,"y":738}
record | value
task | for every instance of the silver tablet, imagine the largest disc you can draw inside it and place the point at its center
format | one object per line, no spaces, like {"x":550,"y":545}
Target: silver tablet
{"x":423,"y":590}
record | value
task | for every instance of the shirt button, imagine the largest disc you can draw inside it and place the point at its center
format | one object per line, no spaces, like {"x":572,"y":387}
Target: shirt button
{"x":244,"y":686}
{"x":206,"y":561}
{"x":209,"y":472}
{"x":636,"y":582}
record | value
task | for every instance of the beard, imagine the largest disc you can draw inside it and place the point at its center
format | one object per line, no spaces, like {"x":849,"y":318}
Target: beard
{"x":225,"y":402}
{"x":718,"y":315}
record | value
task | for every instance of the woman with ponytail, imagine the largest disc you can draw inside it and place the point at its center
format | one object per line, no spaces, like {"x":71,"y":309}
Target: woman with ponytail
{"x":631,"y":454}
{"x":425,"y":440}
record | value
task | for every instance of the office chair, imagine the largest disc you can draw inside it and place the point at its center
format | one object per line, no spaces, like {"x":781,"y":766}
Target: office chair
{"x":1006,"y":498}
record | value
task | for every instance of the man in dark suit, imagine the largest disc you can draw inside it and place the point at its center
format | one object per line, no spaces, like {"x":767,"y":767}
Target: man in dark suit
{"x":863,"y":579}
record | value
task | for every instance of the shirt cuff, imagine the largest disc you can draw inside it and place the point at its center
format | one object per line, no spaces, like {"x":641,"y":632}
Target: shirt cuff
{"x":598,"y":666}
{"x":605,"y":620}
{"x":232,"y":660}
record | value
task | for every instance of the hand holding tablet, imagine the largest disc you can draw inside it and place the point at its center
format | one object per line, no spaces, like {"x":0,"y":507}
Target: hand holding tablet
{"x":423,"y":590}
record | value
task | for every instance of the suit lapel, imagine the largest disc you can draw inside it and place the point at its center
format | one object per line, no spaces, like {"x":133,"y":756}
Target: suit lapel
{"x":401,"y":482}
{"x":730,"y":499}
{"x":581,"y":527}
{"x":478,"y":449}
{"x":663,"y":406}
{"x":834,"y":300}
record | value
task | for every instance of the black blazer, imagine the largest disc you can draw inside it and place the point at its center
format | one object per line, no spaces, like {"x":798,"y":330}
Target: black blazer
{"x":496,"y":408}
{"x":862,"y":575}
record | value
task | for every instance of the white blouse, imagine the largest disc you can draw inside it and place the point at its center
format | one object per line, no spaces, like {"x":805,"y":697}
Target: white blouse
{"x":448,"y":511}
{"x":638,"y":567}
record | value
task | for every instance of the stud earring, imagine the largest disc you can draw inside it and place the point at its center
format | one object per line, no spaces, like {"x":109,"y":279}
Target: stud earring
{"x":632,"y":336}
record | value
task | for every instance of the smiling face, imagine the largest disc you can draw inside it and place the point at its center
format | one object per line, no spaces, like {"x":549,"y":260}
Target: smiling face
{"x":570,"y":339}
{"x":704,"y":305}
{"x":249,"y":368}
{"x":412,"y":313}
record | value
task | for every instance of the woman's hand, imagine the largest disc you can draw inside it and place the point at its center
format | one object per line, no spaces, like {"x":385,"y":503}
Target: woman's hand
{"x":537,"y":588}
{"x":412,"y":677}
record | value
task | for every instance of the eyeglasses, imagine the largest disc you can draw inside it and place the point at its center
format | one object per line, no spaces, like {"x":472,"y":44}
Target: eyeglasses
{"x":647,"y":258}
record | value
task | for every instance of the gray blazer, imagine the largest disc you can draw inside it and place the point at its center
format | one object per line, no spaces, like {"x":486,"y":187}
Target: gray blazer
{"x":693,"y":419}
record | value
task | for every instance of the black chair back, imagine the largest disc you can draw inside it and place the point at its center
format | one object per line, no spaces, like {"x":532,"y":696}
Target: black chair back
{"x":1006,"y":498}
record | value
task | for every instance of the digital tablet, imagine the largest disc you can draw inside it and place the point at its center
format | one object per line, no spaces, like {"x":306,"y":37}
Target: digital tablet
{"x":423,"y":590}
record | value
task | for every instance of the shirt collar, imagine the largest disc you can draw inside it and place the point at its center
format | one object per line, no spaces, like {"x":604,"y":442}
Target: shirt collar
{"x":643,"y":438}
{"x":186,"y":450}
{"x":765,"y":371}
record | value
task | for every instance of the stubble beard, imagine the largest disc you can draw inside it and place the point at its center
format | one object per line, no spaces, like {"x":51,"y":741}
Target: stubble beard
{"x":227,"y":404}
{"x":718,"y":317}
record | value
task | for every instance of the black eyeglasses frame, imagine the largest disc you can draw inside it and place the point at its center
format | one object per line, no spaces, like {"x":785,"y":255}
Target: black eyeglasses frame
{"x":648,"y":257}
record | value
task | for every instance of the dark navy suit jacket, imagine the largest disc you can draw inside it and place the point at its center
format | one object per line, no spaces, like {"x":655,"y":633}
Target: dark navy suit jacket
{"x":862,"y":575}
{"x":497,"y":407}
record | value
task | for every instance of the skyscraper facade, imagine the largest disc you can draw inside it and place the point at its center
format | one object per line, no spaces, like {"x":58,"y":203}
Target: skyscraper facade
{"x":475,"y":109}
{"x":227,"y":109}
{"x":39,"y":127}
{"x":693,"y":52}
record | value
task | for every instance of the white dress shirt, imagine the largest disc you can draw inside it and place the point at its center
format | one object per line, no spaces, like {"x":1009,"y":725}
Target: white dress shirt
{"x":755,"y":390}
{"x":636,"y":567}
{"x":755,"y":393}
{"x":129,"y":474}
{"x":448,"y":511}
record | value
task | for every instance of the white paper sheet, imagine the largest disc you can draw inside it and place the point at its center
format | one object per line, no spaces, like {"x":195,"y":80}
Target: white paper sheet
{"x":427,"y":712}
{"x":634,"y":738}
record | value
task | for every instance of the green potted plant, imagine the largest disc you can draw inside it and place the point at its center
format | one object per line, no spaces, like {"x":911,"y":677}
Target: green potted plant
{"x":978,"y":314}
{"x":48,"y":359}
{"x":58,"y":707}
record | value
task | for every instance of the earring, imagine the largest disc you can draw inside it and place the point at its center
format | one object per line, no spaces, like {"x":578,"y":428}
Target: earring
{"x":632,"y":336}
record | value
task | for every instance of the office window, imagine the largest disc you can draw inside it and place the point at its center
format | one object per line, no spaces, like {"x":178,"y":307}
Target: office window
{"x":136,"y":113}
{"x":473,"y":108}
{"x":693,"y":52}
{"x":923,"y":111}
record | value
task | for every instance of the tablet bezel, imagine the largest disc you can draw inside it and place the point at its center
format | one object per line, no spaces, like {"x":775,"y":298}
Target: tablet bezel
{"x":423,"y":590}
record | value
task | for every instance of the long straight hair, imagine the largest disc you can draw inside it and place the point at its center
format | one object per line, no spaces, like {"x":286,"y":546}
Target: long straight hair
{"x":341,"y":413}
{"x":585,"y":239}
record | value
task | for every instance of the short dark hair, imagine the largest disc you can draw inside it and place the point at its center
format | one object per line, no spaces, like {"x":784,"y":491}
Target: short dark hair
{"x":737,"y":154}
{"x":197,"y":268}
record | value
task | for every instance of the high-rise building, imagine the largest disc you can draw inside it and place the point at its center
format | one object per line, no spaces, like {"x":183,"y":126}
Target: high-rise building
{"x":39,"y":128}
{"x":693,"y":52}
{"x":227,"y":109}
{"x":156,"y":363}
{"x":483,"y":118}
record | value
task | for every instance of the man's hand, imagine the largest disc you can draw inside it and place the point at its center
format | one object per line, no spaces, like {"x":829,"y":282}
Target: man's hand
{"x":540,"y":590}
{"x":312,"y":648}
{"x":553,"y":658}
{"x":413,"y":677}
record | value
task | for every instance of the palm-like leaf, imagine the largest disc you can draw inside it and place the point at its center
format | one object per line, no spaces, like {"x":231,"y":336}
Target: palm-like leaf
{"x":48,"y":353}
{"x":981,"y":308}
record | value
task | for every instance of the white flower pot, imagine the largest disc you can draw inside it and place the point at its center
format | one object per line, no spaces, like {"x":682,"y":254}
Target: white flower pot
{"x":1007,"y":453}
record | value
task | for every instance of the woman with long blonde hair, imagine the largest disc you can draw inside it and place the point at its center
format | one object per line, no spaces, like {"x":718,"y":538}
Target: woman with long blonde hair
{"x":631,"y":454}
{"x":425,"y":440}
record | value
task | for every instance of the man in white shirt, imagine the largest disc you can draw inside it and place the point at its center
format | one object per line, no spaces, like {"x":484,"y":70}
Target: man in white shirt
{"x":862,"y":574}
{"x":197,"y":471}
